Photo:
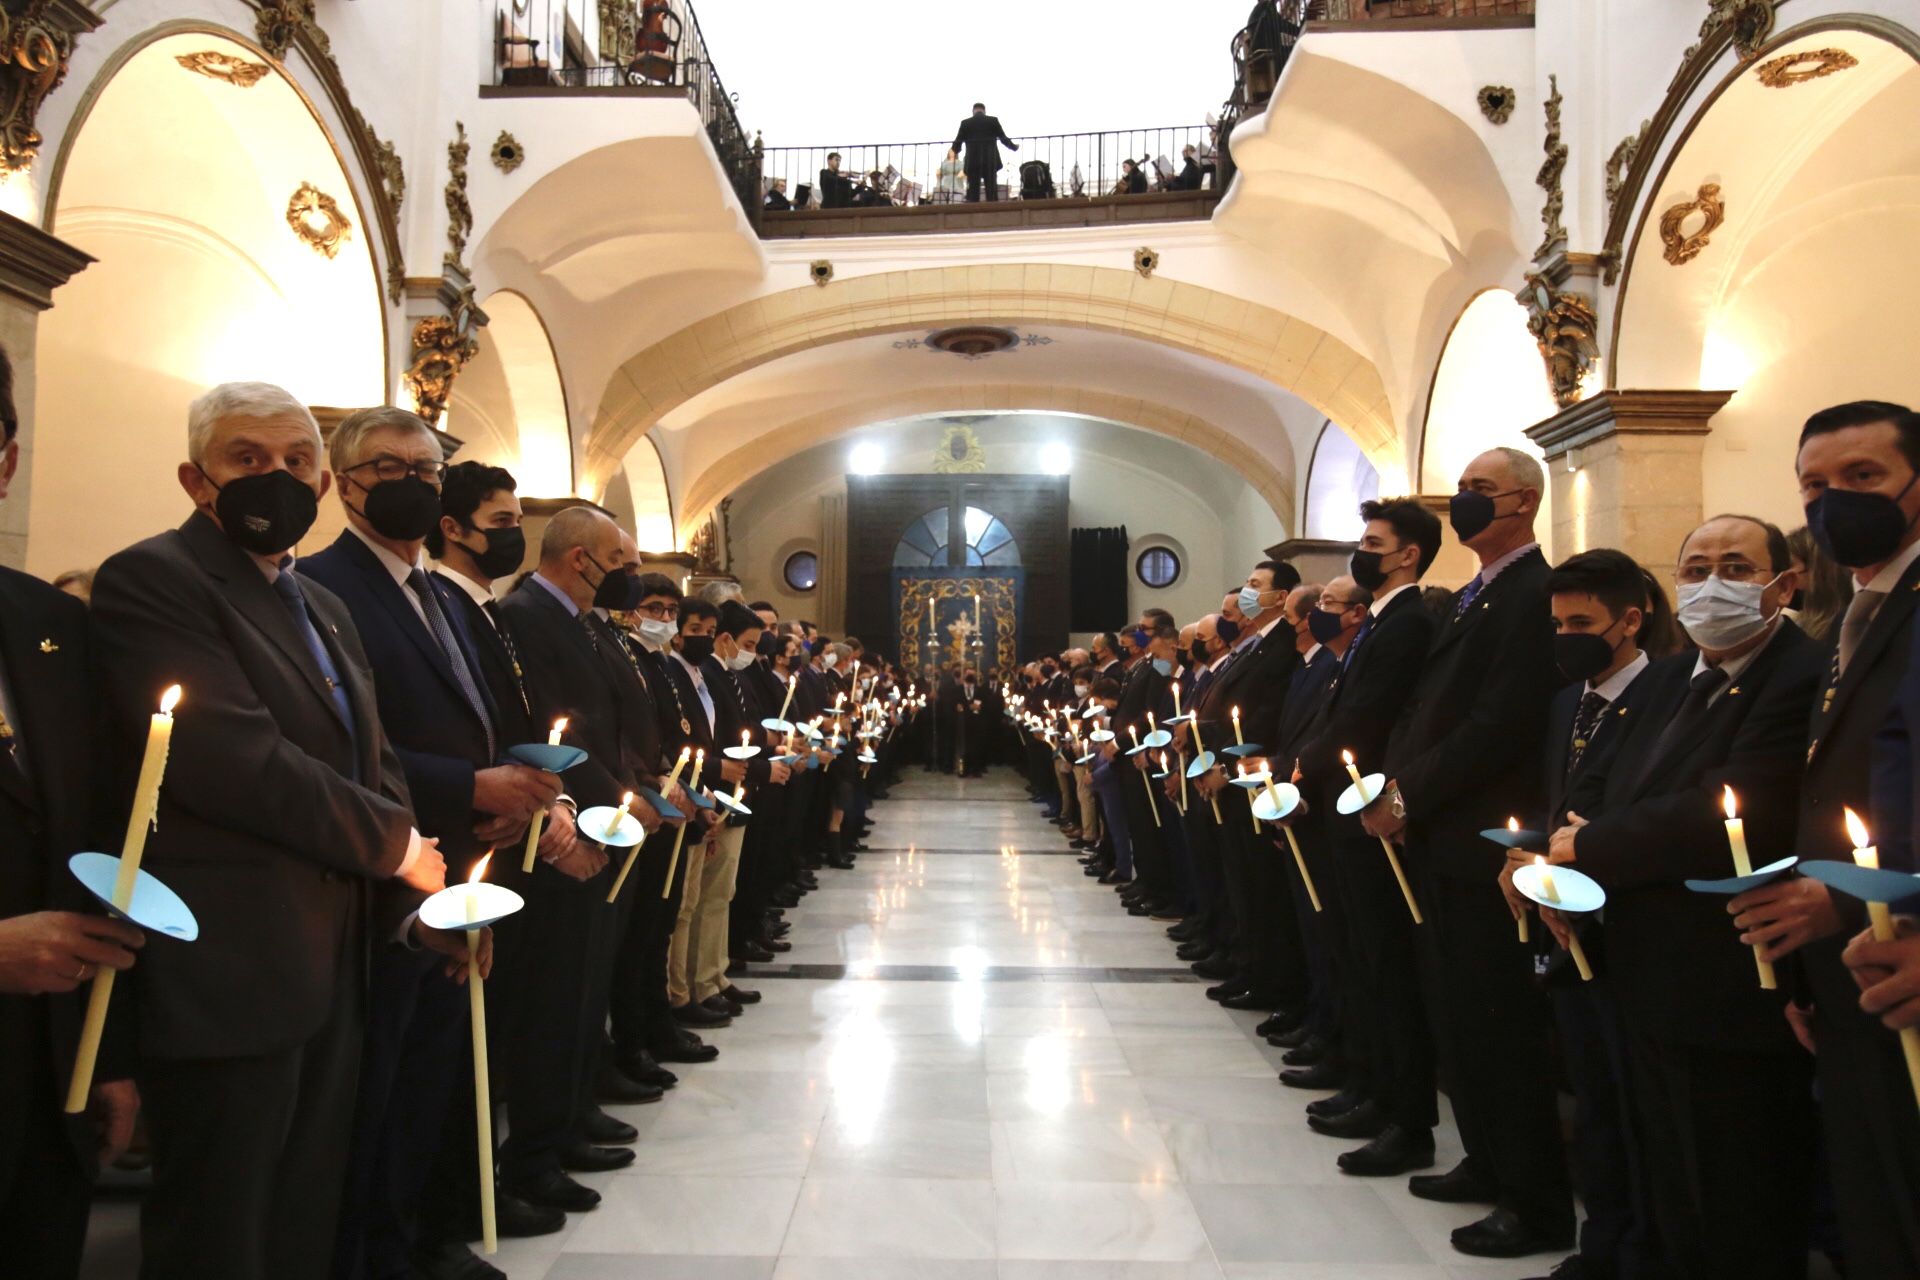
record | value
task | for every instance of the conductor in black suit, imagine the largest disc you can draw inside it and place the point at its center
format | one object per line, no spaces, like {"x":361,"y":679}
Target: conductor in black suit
{"x":284,"y":817}
{"x":49,"y":771}
{"x":978,"y":134}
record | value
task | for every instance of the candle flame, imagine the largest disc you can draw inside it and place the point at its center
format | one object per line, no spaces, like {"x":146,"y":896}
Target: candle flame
{"x":1346,"y":757}
{"x":1513,"y":824}
{"x":169,"y":700}
{"x":1856,"y":829}
{"x":479,"y":871}
{"x":560,"y":725}
{"x":1732,"y":807}
{"x":1236,"y":713}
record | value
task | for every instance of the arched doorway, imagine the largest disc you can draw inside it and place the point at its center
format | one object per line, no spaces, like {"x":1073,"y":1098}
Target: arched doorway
{"x":508,"y":405}
{"x":230,"y":246}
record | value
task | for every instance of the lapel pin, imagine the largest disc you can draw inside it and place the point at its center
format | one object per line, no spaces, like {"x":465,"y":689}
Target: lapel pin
{"x":48,"y":646}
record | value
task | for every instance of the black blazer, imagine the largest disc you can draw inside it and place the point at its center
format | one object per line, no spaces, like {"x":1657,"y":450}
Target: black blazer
{"x":1140,"y":694}
{"x":679,"y":703}
{"x":737,"y":709}
{"x":440,"y":741}
{"x":1466,"y":749}
{"x":977,"y":137}
{"x":1378,"y":673}
{"x":570,"y":672}
{"x":1674,"y":955}
{"x":48,"y":812}
{"x":499,"y":669}
{"x":1307,"y":694}
{"x":262,"y":829}
{"x":1256,"y":682}
{"x":1560,"y":716}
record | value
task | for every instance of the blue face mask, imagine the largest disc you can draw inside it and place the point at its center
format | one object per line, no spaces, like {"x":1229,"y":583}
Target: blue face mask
{"x":1249,"y":603}
{"x":1162,"y":666}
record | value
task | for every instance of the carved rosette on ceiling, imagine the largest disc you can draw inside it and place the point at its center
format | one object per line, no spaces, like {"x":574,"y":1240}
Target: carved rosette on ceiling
{"x":820,"y":272}
{"x":215,"y":65}
{"x":1790,"y":69}
{"x":1548,"y":179}
{"x":1497,"y":102}
{"x":459,"y":212}
{"x":507,"y":152}
{"x":316,"y":218}
{"x":1146,"y":262}
{"x":1683,"y":246}
{"x":441,"y":348}
{"x":280,"y":22}
{"x":1564,"y":325}
{"x":36,"y":43}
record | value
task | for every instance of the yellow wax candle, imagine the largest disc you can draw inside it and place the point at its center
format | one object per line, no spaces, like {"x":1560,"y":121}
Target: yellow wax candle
{"x":1238,"y":739}
{"x":1386,"y":845}
{"x":482,"y":1089}
{"x":1133,"y":731}
{"x":1176,"y":699}
{"x":1547,"y":889}
{"x":673,"y":777}
{"x":613,"y":828}
{"x":1743,"y":865}
{"x":146,"y":802}
{"x":679,"y":838}
{"x":1513,"y":824}
{"x":1353,"y":771}
{"x":1151,"y":726}
{"x":746,"y":739}
{"x":794,"y":680}
{"x":540,"y":815}
{"x":1880,"y":917}
{"x":1551,"y":894}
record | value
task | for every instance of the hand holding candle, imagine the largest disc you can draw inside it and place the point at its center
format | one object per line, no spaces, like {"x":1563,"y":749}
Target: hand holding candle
{"x":540,"y":815}
{"x":1551,"y":894}
{"x":1880,"y":917}
{"x":1393,"y":857}
{"x":1743,"y":865}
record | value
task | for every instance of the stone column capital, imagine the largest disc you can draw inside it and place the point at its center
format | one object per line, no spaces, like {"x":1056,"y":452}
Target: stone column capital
{"x":1607,"y":414}
{"x":33,"y":263}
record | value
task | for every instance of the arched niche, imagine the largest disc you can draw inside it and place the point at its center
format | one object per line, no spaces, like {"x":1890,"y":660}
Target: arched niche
{"x":508,"y":405}
{"x":652,"y":498}
{"x":183,"y":186}
{"x":1339,"y":479}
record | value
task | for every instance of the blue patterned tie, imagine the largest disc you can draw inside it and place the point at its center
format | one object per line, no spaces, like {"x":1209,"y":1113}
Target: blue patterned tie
{"x":456,"y":656}
{"x":1468,"y":595}
{"x":287,"y":587}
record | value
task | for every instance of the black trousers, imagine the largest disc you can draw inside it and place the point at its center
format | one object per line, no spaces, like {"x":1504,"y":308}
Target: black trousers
{"x":1729,"y":1138}
{"x":1269,"y":948}
{"x":1150,"y":866}
{"x":416,"y":1021}
{"x":636,"y":962}
{"x":975,"y":178}
{"x":1315,"y":926}
{"x":1386,"y":946}
{"x":1209,"y":879}
{"x":249,"y":1154}
{"x":44,"y":1192}
{"x":1492,"y":1024}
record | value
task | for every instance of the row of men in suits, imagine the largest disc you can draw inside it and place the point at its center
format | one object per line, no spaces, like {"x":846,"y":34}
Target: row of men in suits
{"x":303,"y":1068}
{"x":1712,"y":1114}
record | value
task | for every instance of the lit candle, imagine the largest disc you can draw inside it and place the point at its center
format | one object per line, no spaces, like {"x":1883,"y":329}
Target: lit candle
{"x":1547,"y":889}
{"x":1176,"y":699}
{"x":1393,"y":857}
{"x":1513,"y":825}
{"x":1293,"y":843}
{"x":1743,"y":865}
{"x":146,"y":802}
{"x":1353,"y":771}
{"x":482,"y":1091}
{"x":1551,"y":894}
{"x":791,"y":681}
{"x":746,"y":739}
{"x":540,"y":815}
{"x":1165,"y":768}
{"x":673,"y":860}
{"x":1238,"y":740}
{"x":1250,"y":813}
{"x":1881,"y":918}
{"x":673,"y":777}
{"x":613,"y":829}
{"x":1133,"y":731}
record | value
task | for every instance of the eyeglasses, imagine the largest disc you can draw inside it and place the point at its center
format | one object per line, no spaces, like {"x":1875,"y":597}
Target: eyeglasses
{"x":1726,"y":570}
{"x":388,"y":468}
{"x":659,"y":612}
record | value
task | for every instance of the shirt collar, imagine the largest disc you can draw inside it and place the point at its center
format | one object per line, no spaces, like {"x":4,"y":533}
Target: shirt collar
{"x":1889,"y":577}
{"x":397,"y":569}
{"x":1735,"y":667}
{"x":1306,"y":659}
{"x":1616,"y":684}
{"x":474,"y":591}
{"x":1489,"y":572}
{"x":1380,"y":602}
{"x":691,"y":669}
{"x":566,"y":601}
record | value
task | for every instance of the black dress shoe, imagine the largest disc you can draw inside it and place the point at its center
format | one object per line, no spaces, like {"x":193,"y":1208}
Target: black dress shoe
{"x":1218,"y":966}
{"x":739,"y":996}
{"x":612,"y":1085}
{"x":1365,"y":1121}
{"x":584,"y":1157}
{"x":719,"y":1004}
{"x":608,"y":1130}
{"x":1312,"y":1051}
{"x":840,"y":862}
{"x":775,"y":946}
{"x":1325,"y":1074}
{"x":1220,"y":991}
{"x":1290,"y":1039}
{"x":1192,"y":951}
{"x":1249,"y":1000}
{"x":643,"y":1068}
{"x":1165,"y":911}
{"x":754,"y":953}
{"x":1343,"y":1101}
{"x":515,"y":1219}
{"x":454,"y":1261}
{"x":1282,"y":1022}
{"x":688,"y":1049}
{"x":555,"y":1190}
{"x":1394,"y":1152}
{"x":1461,"y":1184}
{"x":1501,"y":1234}
{"x":697,"y":1015}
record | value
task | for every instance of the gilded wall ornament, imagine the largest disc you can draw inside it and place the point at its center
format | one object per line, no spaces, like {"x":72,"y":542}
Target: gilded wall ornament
{"x":316,"y":218}
{"x":1497,"y":102}
{"x":1797,"y":68}
{"x":215,"y":65}
{"x":1747,"y":24}
{"x":959,"y":451}
{"x":1146,"y":262}
{"x":1548,"y":179}
{"x":440,"y":350}
{"x":619,"y":32}
{"x":821,"y":272}
{"x":35,"y":46}
{"x":1620,"y":163}
{"x":507,"y":152}
{"x":459,"y":212}
{"x":279,"y":22}
{"x":1683,"y":246}
{"x":1565,"y":327}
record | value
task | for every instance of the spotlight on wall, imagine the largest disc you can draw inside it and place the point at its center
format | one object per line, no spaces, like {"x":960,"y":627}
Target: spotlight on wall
{"x":865,"y":460}
{"x":1056,"y":459}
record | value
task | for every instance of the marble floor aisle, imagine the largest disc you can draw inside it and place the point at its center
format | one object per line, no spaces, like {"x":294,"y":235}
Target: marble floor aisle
{"x":983,"y":1069}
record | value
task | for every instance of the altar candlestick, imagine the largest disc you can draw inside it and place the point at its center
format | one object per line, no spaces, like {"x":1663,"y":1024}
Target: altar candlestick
{"x":1743,"y":865}
{"x":1881,"y":918}
{"x":482,"y":1089}
{"x":146,"y":801}
{"x":540,"y":815}
{"x":1393,"y":857}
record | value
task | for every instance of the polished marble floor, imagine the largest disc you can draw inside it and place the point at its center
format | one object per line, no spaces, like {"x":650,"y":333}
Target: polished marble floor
{"x":1005,"y":1077}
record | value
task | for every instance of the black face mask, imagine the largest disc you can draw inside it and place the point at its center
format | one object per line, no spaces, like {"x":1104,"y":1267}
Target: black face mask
{"x":696,"y":649}
{"x":506,"y":550}
{"x":617,"y":591}
{"x":404,"y":510}
{"x":1325,"y":626}
{"x":1582,"y":655}
{"x":1470,"y":512}
{"x":1197,"y":652}
{"x":1858,"y":529}
{"x":1228,"y":630}
{"x":266,"y":513}
{"x":1364,"y":568}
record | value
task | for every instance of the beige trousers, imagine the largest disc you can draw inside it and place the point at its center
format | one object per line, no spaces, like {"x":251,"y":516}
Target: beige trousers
{"x":1089,"y":804}
{"x":697,"y":962}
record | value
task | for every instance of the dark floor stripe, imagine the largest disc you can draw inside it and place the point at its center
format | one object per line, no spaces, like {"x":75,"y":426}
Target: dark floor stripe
{"x":948,"y":973}
{"x":996,"y":850}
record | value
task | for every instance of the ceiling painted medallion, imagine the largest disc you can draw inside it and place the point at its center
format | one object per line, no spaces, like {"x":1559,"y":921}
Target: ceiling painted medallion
{"x":215,"y":65}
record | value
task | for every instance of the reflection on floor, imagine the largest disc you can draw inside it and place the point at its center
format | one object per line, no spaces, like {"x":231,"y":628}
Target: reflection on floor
{"x":1005,"y":1078}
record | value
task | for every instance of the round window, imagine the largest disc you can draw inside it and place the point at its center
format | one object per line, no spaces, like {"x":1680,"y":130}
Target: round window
{"x":1158,"y":567}
{"x":802,"y":571}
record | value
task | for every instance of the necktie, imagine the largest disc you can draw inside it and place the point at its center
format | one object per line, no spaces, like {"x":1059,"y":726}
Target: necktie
{"x":1861,"y":611}
{"x":1585,"y":720}
{"x":1366,"y":626}
{"x":1468,"y":595}
{"x":287,"y":587}
{"x":1200,"y":687}
{"x":1693,"y":708}
{"x":492,"y":610}
{"x":456,"y":656}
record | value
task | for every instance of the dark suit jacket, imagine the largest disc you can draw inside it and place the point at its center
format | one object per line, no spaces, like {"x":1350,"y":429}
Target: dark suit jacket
{"x":977,"y":137}
{"x":737,"y":709}
{"x":1674,"y":956}
{"x":440,"y":741}
{"x":1377,"y":677}
{"x":1308,"y":691}
{"x":505,"y":683}
{"x":572,"y":672}
{"x":1560,"y":715}
{"x":1466,"y":749}
{"x":47,"y":813}
{"x":262,"y":829}
{"x":677,"y":700}
{"x":1140,"y":693}
{"x":836,"y":189}
{"x":1256,"y":682}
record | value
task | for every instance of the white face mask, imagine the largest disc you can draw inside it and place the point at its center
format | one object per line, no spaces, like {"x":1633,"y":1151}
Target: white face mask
{"x":1082,"y":690}
{"x":656,"y":634}
{"x":1721,"y":615}
{"x":740,"y":661}
{"x":831,"y":661}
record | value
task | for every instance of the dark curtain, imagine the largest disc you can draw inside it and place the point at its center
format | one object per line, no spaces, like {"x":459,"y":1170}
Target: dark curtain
{"x":1099,"y":577}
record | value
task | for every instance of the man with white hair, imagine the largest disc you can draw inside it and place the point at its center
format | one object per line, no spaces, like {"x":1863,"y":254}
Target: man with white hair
{"x":284,"y":823}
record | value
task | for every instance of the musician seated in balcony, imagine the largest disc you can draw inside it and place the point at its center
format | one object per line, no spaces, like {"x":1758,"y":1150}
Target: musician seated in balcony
{"x":836,"y":188}
{"x":872,"y":194}
{"x":1191,"y":176}
{"x":1133,"y":180}
{"x":776,"y":201}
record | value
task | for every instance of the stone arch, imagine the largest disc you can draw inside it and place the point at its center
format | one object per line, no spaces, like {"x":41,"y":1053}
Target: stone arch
{"x":1313,"y":364}
{"x":1272,"y":482}
{"x":512,"y":392}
